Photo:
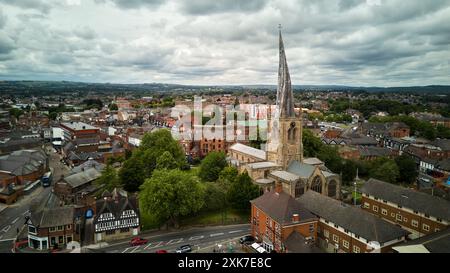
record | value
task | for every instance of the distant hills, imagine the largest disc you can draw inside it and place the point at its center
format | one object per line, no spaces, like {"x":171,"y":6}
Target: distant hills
{"x":27,"y":87}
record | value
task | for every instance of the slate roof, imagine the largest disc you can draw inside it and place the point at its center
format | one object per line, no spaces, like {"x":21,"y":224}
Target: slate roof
{"x":281,"y":207}
{"x":116,"y":204}
{"x":249,"y":150}
{"x":356,"y":220}
{"x":262,"y":165}
{"x":301,"y":169}
{"x":285,"y":175}
{"x":374,"y":151}
{"x":363,"y":140}
{"x":312,"y":161}
{"x":408,"y":198}
{"x":438,"y":242}
{"x":443,"y":144}
{"x":23,"y":162}
{"x":81,"y":178}
{"x":296,"y":243}
{"x":87,"y":165}
{"x":52,"y":217}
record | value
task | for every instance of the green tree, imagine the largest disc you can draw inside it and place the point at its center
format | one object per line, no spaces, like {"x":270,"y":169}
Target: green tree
{"x":16,"y":112}
{"x":348,"y":172}
{"x":385,"y":170}
{"x":155,"y":144}
{"x":166,"y":161}
{"x":169,"y":194}
{"x":215,"y":197}
{"x":113,"y":107}
{"x":241,"y":191}
{"x":311,"y":144}
{"x":212,"y":165}
{"x":132,"y":174}
{"x":109,"y":179}
{"x":407,"y":169}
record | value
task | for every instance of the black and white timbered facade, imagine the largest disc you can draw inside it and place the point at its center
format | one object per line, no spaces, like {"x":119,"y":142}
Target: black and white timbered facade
{"x":117,"y":216}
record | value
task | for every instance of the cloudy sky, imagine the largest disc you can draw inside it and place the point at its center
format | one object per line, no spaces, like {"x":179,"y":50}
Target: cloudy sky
{"x":347,"y":42}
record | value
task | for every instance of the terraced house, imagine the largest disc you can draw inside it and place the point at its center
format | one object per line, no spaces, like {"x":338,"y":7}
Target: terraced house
{"x":414,"y":211}
{"x":344,"y":228}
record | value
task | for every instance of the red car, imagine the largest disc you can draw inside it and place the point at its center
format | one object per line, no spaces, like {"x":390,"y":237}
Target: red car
{"x":161,"y":251}
{"x":138,"y":241}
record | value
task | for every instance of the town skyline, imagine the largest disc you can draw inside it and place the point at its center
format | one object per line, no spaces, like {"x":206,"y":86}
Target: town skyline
{"x":361,"y":43}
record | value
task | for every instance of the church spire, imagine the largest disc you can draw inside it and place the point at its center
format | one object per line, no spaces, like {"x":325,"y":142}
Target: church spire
{"x":285,"y":98}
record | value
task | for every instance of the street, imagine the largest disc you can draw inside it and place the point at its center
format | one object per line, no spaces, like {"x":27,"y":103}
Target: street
{"x":200,"y":239}
{"x":13,"y":217}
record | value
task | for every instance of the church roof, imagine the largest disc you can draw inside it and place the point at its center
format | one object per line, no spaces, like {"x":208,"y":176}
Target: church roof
{"x":285,"y":98}
{"x":287,"y":176}
{"x":249,"y":150}
{"x":263,"y":165}
{"x":301,"y":169}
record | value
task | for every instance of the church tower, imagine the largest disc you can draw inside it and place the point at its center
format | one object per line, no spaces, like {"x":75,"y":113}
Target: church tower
{"x":285,"y":131}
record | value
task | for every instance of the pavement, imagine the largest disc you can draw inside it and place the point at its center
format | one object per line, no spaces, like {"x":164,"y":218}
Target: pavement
{"x":202,"y":240}
{"x":12,"y":217}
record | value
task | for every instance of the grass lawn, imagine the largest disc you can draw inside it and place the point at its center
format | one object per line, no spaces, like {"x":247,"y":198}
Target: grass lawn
{"x":204,"y":218}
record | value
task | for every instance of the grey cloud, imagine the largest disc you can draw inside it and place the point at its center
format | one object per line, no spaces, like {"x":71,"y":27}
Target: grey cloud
{"x":40,"y":5}
{"x":202,"y":7}
{"x":2,"y":19}
{"x":133,"y":4}
{"x":6,"y":44}
{"x":86,"y":33}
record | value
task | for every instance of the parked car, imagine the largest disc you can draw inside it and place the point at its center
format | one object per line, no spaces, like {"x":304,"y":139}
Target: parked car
{"x":161,"y":251}
{"x":137,"y":241}
{"x":247,"y":239}
{"x":184,"y":249}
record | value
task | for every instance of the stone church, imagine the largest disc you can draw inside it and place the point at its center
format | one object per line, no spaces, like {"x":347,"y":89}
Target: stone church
{"x":282,"y":160}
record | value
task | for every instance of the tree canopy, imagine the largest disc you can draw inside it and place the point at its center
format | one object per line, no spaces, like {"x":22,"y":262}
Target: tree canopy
{"x":169,"y":194}
{"x":241,"y":191}
{"x":212,"y":165}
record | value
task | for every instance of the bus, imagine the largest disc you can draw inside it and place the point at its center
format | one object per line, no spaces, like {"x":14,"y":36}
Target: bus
{"x":47,"y":179}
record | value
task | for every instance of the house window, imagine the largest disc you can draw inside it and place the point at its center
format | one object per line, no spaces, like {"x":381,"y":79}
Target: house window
{"x":69,"y":239}
{"x":384,"y":201}
{"x":31,"y":229}
{"x":384,"y":211}
{"x":426,"y":227}
{"x":326,"y":234}
{"x":437,"y":230}
{"x":366,"y":205}
{"x":405,"y":219}
{"x":416,"y":212}
{"x":60,"y":228}
{"x":68,"y":227}
{"x":399,"y":206}
{"x":345,"y":244}
{"x":52,"y":229}
{"x":61,"y":239}
{"x":335,"y":238}
{"x":399,"y":217}
{"x":414,"y":223}
{"x":375,"y":208}
{"x":356,"y":249}
{"x":439,"y":220}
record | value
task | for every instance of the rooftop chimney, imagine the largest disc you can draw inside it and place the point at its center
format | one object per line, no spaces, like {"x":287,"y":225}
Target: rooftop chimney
{"x":278,"y":187}
{"x":295,"y":217}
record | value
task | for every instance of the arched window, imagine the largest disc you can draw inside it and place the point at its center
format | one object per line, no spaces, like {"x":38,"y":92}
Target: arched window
{"x":316,"y":184}
{"x":332,"y":187}
{"x":299,"y":189}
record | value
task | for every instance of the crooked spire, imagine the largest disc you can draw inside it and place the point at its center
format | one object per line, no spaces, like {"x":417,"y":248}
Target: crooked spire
{"x":285,"y":98}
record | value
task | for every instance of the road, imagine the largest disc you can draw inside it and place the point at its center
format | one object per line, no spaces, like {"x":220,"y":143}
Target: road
{"x":198,"y":238}
{"x":13,"y":217}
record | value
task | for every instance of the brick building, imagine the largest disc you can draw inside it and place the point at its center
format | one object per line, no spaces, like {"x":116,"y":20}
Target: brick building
{"x":276,"y":215}
{"x":344,"y":228}
{"x":414,"y":211}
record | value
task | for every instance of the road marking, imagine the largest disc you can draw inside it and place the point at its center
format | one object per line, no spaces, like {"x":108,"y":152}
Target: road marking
{"x":134,"y":250}
{"x":147,"y":246}
{"x":155,"y":246}
{"x":15,"y":220}
{"x":175,"y":241}
{"x":126,"y":249}
{"x":25,"y":212}
{"x":216,"y":234}
{"x":5,"y":229}
{"x":234,"y":231}
{"x":1,"y":237}
{"x":196,"y":237}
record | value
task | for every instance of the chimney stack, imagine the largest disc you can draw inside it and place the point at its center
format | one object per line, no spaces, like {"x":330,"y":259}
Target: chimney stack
{"x":278,"y":187}
{"x":295,"y":217}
